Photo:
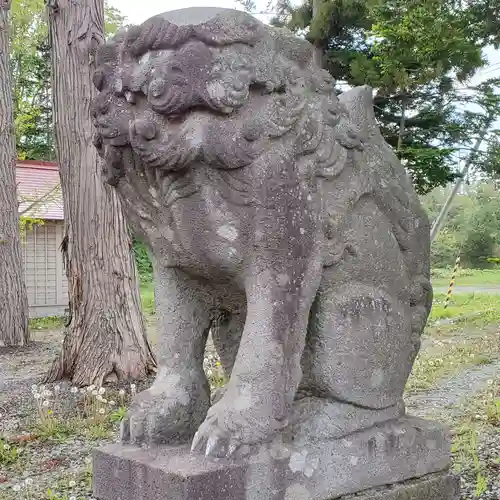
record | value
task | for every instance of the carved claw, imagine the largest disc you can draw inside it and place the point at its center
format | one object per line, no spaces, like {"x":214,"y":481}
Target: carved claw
{"x":167,"y":414}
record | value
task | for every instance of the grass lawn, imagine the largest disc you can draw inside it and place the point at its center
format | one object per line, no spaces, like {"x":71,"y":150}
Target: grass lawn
{"x":467,"y":277}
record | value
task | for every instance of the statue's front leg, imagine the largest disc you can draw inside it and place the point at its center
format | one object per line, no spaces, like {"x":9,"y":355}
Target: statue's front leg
{"x":280,"y":286}
{"x":177,"y":402}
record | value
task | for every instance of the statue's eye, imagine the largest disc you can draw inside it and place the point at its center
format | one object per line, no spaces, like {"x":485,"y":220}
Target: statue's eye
{"x":176,"y":76}
{"x":175,"y":71}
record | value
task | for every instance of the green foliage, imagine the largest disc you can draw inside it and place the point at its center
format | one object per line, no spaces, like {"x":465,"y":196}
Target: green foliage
{"x":9,"y":454}
{"x":411,"y":52}
{"x":445,"y":249}
{"x":31,"y":74}
{"x":472,"y":229}
{"x":147,"y":299}
{"x":118,"y":415}
{"x":143,"y":261}
{"x":26,"y":223}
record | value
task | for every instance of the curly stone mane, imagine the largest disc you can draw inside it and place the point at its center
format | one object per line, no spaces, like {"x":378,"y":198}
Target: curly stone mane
{"x":154,"y":73}
{"x":258,"y":84}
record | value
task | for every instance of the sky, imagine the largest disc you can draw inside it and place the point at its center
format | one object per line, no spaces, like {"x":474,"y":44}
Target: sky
{"x":138,"y":11}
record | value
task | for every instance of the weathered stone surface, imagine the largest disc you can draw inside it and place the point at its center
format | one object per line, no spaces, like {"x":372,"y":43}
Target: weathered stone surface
{"x":269,"y":202}
{"x":390,"y":453}
{"x":278,"y":217}
{"x":440,"y":486}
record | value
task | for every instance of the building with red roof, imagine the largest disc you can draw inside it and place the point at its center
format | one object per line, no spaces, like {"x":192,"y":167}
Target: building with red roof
{"x":40,"y":197}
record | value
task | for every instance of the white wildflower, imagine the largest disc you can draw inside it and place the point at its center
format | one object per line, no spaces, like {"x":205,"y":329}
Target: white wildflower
{"x":82,"y":391}
{"x":490,"y":382}
{"x":112,"y":403}
{"x":132,"y":387}
{"x":17,"y":487}
{"x":72,"y":484}
{"x":99,"y":397}
{"x":121,"y":392}
{"x":104,"y":400}
{"x":102,"y":390}
{"x":28,"y":481}
{"x":72,"y":497}
{"x":47,"y":394}
{"x":6,"y":447}
{"x":34,"y":388}
{"x":37,"y":395}
{"x":57,"y":388}
{"x":73,"y":390}
{"x":45,"y":403}
{"x":101,"y":411}
{"x":95,"y":393}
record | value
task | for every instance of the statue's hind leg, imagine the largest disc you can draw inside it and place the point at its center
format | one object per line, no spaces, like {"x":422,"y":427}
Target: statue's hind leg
{"x":355,"y":363}
{"x":360,"y":346}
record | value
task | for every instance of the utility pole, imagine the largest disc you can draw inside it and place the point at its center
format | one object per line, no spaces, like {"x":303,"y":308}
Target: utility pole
{"x":446,"y":207}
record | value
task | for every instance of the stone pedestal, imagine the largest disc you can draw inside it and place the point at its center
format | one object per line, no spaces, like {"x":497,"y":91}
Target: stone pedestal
{"x":405,"y":459}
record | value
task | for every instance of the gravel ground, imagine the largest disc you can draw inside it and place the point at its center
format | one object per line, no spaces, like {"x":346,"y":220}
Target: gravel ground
{"x":63,"y":466}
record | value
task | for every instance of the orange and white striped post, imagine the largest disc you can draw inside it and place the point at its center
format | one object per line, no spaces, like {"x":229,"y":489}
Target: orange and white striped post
{"x":452,"y":282}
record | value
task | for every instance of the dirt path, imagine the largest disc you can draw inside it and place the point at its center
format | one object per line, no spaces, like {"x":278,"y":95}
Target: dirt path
{"x":451,"y":392}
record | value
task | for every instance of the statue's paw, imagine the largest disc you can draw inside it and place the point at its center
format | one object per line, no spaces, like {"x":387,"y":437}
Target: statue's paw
{"x":227,"y":428}
{"x":163,"y":417}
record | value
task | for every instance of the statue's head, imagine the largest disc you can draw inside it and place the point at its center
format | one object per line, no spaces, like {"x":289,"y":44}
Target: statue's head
{"x":209,"y":85}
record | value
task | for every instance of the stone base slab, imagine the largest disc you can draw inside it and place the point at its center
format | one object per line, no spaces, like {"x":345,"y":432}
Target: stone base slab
{"x":388,"y":454}
{"x":440,"y":486}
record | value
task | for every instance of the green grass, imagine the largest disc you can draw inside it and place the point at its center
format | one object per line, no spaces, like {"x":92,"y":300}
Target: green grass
{"x":48,"y":323}
{"x":467,"y":277}
{"x":147,"y":298}
{"x":471,"y":339}
{"x":467,"y":309}
{"x":56,"y":323}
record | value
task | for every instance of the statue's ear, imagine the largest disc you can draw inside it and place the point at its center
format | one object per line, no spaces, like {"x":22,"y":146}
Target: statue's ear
{"x":359,"y":104}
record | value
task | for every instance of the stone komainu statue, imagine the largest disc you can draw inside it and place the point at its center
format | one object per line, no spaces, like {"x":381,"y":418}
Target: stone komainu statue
{"x":273,"y":209}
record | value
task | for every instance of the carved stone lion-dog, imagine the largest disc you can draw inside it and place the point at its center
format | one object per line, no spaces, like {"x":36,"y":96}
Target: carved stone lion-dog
{"x":275,"y":214}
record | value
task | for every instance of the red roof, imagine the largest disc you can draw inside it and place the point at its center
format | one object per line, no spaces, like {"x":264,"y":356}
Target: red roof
{"x":39,"y":190}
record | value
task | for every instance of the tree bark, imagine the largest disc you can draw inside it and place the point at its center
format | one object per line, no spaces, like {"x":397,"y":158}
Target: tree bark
{"x":318,"y":50}
{"x":402,"y":124}
{"x":13,"y":297}
{"x":105,"y":337}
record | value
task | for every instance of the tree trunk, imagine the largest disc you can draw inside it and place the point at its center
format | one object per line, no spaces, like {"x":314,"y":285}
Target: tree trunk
{"x":13,"y":297}
{"x":318,"y":50}
{"x":402,"y":124}
{"x":105,"y":337}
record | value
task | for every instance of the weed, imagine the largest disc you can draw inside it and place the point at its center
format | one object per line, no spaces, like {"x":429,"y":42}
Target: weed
{"x":465,"y":451}
{"x":9,"y":454}
{"x":493,"y":413}
{"x":118,"y":414}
